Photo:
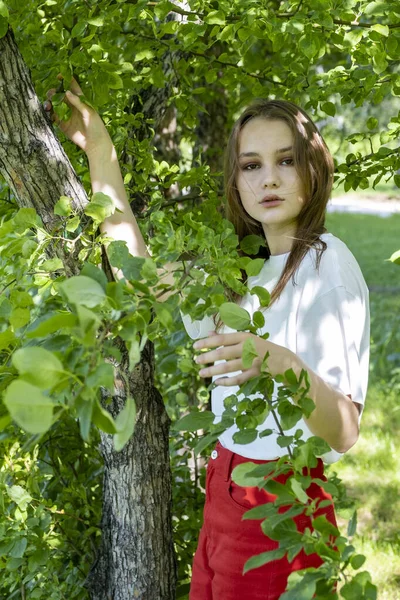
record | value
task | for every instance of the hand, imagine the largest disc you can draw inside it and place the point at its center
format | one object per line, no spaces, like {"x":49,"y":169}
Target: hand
{"x":85,"y":127}
{"x":279,"y":361}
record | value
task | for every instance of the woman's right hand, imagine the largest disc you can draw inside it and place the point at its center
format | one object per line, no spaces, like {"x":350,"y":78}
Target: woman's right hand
{"x":84,"y":127}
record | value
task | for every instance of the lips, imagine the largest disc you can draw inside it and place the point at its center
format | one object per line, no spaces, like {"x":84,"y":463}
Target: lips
{"x":271,"y":198}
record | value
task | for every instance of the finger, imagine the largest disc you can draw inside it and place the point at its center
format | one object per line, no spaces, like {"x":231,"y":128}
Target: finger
{"x":56,"y":119}
{"x":50,"y":93}
{"x":223,"y":353}
{"x":233,"y":366}
{"x":237,"y":379}
{"x":74,"y":100}
{"x":75,"y":87}
{"x":224,"y":339}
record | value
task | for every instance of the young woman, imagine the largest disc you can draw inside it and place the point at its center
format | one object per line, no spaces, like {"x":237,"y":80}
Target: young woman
{"x":278,"y":179}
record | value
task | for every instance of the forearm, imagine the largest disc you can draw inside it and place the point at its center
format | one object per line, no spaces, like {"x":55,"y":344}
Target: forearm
{"x":106,"y":177}
{"x":335,"y":417}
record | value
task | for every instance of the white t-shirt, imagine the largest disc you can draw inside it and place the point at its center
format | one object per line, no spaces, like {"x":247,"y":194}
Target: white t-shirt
{"x":324,"y":319}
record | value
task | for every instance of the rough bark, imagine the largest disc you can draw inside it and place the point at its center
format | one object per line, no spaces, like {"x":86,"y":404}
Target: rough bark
{"x":136,"y":519}
{"x":136,"y":555}
{"x":32,"y":160}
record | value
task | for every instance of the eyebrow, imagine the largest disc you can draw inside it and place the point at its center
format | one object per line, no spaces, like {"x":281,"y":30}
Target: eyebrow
{"x":280,"y":151}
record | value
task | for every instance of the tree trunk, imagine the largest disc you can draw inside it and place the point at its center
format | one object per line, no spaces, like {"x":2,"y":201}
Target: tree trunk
{"x":136,"y":555}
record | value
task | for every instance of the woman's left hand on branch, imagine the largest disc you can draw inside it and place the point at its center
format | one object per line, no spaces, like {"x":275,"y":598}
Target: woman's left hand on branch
{"x":229,"y":347}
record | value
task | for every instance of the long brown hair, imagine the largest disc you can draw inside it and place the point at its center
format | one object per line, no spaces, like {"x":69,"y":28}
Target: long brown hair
{"x":315,"y":167}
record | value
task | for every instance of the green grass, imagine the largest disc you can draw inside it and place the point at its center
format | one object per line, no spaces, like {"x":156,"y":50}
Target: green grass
{"x":370,"y":470}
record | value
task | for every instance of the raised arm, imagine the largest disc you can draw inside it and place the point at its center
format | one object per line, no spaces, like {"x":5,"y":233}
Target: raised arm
{"x":86,"y":129}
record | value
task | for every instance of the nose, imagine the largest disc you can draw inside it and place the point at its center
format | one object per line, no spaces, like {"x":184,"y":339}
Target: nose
{"x":271,"y":178}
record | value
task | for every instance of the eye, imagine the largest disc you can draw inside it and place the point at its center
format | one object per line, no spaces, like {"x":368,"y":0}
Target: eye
{"x":249,"y":167}
{"x":288,"y":159}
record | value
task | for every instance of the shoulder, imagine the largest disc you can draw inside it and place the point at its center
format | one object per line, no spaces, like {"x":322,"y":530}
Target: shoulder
{"x":338,"y":267}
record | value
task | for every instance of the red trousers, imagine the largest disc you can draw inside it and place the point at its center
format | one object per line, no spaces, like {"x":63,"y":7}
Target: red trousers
{"x":226,"y":542}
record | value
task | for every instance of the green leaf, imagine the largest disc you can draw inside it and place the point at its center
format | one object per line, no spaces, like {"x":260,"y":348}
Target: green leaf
{"x":21,"y":298}
{"x":96,"y":21}
{"x":103,"y":375}
{"x":278,"y":489}
{"x":164,"y":315}
{"x":322,"y":525}
{"x":284,"y":440}
{"x":19,"y":547}
{"x":73,"y":224}
{"x":53,"y":264}
{"x":19,"y":495}
{"x":102,"y":418}
{"x":258,"y":319}
{"x":27,"y":217}
{"x":245,"y":436}
{"x":134,"y":354}
{"x":54,"y":323}
{"x":215,"y":17}
{"x":395,"y":258}
{"x":352,"y":591}
{"x":4,"y":10}
{"x":125,"y":423}
{"x":234,"y":316}
{"x":372,"y":123}
{"x":205,"y":441}
{"x":7,"y":337}
{"x":29,"y":407}
{"x":263,"y":295}
{"x":120,"y":258}
{"x":249,"y":352}
{"x":80,"y":289}
{"x":329,"y":108}
{"x":114,"y":81}
{"x":63,"y":206}
{"x":357,"y":561}
{"x":303,"y":590}
{"x":38,"y":366}
{"x":89,"y":270}
{"x":162,"y":8}
{"x":382,"y":29}
{"x":78,"y":30}
{"x":254,"y":266}
{"x":20,"y":317}
{"x":309,"y":45}
{"x":100,"y":207}
{"x":84,"y":411}
{"x":290,"y":414}
{"x":241,"y":474}
{"x":3,"y":26}
{"x":262,"y":559}
{"x":250,"y":244}
{"x":145,"y":54}
{"x":194,"y":421}
{"x":4,"y":422}
{"x":352,"y":526}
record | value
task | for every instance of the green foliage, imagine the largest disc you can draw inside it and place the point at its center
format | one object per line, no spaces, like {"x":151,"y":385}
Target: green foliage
{"x":50,"y":500}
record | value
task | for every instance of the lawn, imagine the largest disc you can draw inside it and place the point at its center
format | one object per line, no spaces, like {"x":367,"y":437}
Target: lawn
{"x":370,"y":469}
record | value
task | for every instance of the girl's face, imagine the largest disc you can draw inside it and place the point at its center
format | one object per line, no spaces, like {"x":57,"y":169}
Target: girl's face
{"x":266,"y":167}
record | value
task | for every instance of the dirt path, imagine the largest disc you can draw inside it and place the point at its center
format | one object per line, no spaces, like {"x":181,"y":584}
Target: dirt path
{"x":383,"y":205}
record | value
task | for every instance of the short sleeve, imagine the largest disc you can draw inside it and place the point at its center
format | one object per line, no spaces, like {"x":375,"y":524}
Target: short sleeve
{"x":333,"y":339}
